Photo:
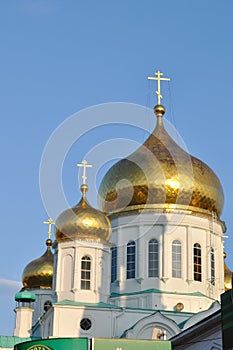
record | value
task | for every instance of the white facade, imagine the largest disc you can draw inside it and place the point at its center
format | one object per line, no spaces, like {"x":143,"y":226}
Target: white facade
{"x":67,"y":274}
{"x":162,"y":267}
{"x":63,"y":320}
{"x":167,"y":228}
{"x":23,"y":321}
{"x":141,"y":307}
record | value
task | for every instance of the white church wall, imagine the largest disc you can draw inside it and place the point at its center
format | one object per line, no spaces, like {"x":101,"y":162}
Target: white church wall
{"x":155,"y":326}
{"x":64,"y":321}
{"x":67,"y":322}
{"x":23,"y":321}
{"x":68,"y":279}
{"x":188,"y":229}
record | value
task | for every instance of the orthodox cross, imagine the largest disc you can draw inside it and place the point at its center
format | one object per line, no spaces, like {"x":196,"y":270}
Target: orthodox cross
{"x":84,"y":165}
{"x":49,"y":223}
{"x":159,"y":78}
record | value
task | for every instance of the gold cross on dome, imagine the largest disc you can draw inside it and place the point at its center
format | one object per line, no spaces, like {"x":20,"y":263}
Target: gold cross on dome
{"x":84,"y":165}
{"x":49,"y":223}
{"x":159,"y":78}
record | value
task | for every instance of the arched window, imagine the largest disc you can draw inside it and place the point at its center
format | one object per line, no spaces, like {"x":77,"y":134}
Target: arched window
{"x":158,"y":333}
{"x":47,"y":305}
{"x":67,"y":272}
{"x":197,"y":262}
{"x":176,"y":259}
{"x":131,"y":260}
{"x":212,"y":267}
{"x":153,"y":258}
{"x":85,"y":273}
{"x":114,"y":264}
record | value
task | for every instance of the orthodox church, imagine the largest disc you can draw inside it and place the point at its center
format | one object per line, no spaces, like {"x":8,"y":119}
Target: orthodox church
{"x":148,"y":265}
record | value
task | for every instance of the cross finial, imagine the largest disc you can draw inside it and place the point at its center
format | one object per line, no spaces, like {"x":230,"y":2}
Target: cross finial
{"x":159,"y":78}
{"x":49,"y":223}
{"x":84,"y":165}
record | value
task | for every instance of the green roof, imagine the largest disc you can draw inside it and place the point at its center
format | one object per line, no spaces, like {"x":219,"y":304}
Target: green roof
{"x":102,"y":305}
{"x":181,"y":324}
{"x":25,"y":296}
{"x":158,"y":291}
{"x":123,"y":335}
{"x":10,"y":341}
{"x":97,"y":305}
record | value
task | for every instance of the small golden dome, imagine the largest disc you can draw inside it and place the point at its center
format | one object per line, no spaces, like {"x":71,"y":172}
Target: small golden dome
{"x":39,"y":272}
{"x":83,"y":222}
{"x":161,"y":175}
{"x":227,"y":276}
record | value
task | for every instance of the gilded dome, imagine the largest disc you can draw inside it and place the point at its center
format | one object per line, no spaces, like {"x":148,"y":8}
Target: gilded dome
{"x":161,"y":175}
{"x":83,"y":222}
{"x":227,"y":276}
{"x":39,"y":272}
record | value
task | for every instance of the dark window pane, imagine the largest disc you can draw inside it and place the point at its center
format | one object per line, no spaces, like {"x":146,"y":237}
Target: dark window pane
{"x":176,"y":259}
{"x":85,"y":273}
{"x":85,"y":324}
{"x":153,"y":258}
{"x":197,"y":262}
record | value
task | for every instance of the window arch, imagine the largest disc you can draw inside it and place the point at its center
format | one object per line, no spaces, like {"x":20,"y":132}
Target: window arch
{"x":212,"y":267}
{"x":67,"y":272}
{"x":131,"y":259}
{"x":47,"y":305}
{"x":85,"y":273}
{"x":153,"y":258}
{"x":197,"y":262}
{"x":114,"y":264}
{"x":176,"y":259}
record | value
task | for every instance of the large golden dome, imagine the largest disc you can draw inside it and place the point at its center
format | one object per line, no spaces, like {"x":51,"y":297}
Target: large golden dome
{"x":160,"y":175}
{"x":83,"y":222}
{"x":39,"y":273}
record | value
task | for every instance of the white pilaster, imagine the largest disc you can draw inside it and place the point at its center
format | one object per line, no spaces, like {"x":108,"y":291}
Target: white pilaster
{"x":23,"y":321}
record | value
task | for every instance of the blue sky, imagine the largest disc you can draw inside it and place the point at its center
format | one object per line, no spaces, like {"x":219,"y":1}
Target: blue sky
{"x":59,"y":57}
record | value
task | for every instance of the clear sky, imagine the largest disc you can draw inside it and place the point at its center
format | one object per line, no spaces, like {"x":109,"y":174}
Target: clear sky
{"x":59,"y":57}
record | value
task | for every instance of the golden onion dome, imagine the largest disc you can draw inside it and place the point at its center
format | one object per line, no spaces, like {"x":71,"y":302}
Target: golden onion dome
{"x":161,"y":175}
{"x":39,"y":272}
{"x":83,"y":222}
{"x":227,"y":276}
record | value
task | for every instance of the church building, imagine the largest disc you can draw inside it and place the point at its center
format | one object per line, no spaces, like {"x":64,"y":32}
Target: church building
{"x":148,"y":265}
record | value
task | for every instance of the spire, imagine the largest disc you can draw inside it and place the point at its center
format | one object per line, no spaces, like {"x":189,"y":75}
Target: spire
{"x":84,"y":165}
{"x":158,"y":78}
{"x":84,"y":187}
{"x":50,"y":222}
{"x":159,"y":110}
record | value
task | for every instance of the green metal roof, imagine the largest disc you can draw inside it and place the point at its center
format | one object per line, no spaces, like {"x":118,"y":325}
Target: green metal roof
{"x":111,"y":306}
{"x":181,"y":325}
{"x":25,"y":296}
{"x":97,"y":305}
{"x":153,"y":290}
{"x":10,"y":341}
